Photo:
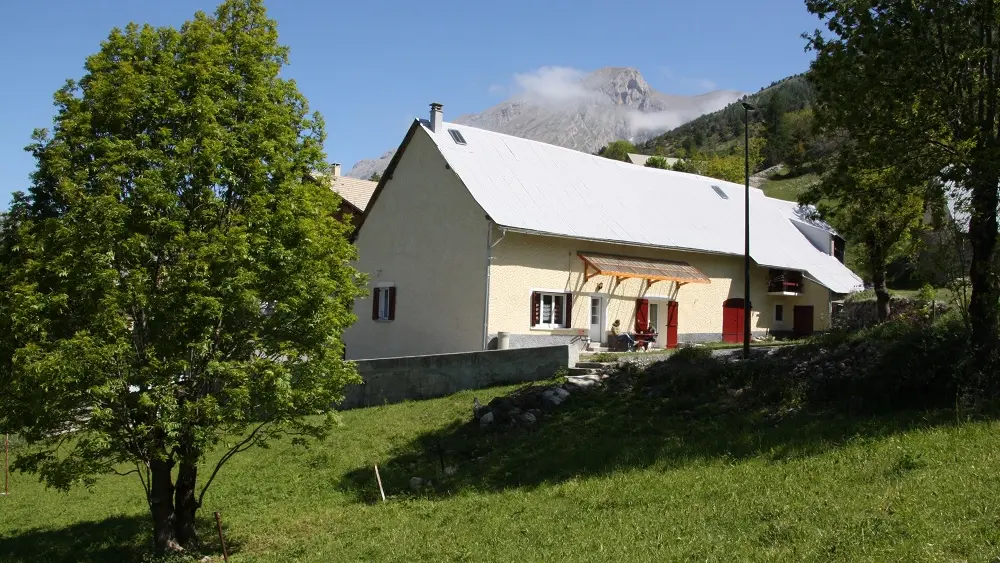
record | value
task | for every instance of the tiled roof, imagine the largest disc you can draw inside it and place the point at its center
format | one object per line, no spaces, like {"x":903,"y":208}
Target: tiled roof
{"x":631,"y":267}
{"x":356,"y":192}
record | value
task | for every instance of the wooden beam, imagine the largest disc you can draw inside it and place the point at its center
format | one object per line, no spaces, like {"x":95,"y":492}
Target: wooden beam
{"x":650,"y":282}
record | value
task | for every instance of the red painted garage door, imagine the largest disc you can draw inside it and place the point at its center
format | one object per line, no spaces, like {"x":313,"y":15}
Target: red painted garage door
{"x":732,"y":320}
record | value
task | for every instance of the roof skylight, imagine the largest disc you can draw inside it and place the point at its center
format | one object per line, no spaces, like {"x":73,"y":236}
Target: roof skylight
{"x":457,"y":136}
{"x":719,"y":191}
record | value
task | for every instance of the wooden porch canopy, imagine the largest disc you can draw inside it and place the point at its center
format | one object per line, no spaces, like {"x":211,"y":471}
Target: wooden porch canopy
{"x":622,"y":267}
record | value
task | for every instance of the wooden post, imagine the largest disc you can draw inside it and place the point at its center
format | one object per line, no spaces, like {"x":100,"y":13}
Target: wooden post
{"x":218,"y":524}
{"x":379,"y":478}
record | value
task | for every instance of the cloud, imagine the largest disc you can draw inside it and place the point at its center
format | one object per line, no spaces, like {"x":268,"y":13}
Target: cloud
{"x":639,"y":121}
{"x":553,"y":83}
{"x":688,"y":82}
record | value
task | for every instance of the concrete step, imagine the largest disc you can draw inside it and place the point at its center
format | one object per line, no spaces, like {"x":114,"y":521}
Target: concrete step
{"x":582,"y":371}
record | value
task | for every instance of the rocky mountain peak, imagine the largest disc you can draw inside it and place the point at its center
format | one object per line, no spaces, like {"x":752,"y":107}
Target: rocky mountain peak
{"x":584,"y":113}
{"x":624,"y":85}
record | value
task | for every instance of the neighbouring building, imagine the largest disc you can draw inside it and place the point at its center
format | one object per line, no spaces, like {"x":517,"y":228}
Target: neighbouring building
{"x":640,"y":159}
{"x":354,"y":195}
{"x":472,"y":233}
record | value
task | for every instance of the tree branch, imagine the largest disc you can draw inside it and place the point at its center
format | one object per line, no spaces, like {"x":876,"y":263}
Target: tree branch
{"x":246,"y":444}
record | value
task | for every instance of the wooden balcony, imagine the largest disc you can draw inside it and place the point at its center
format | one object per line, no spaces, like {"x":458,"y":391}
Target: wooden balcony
{"x":784,"y":282}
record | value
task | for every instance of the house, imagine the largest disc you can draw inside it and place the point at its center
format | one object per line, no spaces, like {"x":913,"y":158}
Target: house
{"x":640,"y":159}
{"x":354,"y":194}
{"x":472,"y":233}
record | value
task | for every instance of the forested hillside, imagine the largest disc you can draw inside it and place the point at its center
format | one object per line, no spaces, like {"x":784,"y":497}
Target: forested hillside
{"x":784,"y":120}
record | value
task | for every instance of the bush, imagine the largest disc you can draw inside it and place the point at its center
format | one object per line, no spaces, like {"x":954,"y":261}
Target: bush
{"x":895,"y":365}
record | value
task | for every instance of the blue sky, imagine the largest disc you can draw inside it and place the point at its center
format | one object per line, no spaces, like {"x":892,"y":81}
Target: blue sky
{"x":369,"y":67}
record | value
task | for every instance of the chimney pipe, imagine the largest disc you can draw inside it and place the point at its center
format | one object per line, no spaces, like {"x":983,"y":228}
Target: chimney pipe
{"x":336,"y":169}
{"x":437,"y":117}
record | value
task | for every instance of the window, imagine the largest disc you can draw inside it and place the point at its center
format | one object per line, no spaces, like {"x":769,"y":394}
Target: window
{"x":550,"y":310}
{"x":595,"y":311}
{"x":384,"y":303}
{"x":654,"y":316}
{"x":719,"y":191}
{"x":779,"y":313}
{"x":456,"y":136}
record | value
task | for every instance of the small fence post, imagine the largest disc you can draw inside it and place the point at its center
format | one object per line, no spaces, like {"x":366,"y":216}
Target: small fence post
{"x":379,"y":478}
{"x":218,"y":524}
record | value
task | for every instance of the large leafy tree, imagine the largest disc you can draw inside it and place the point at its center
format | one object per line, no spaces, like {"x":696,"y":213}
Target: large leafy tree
{"x":917,"y":83}
{"x":174,"y":279}
{"x":879,"y":211}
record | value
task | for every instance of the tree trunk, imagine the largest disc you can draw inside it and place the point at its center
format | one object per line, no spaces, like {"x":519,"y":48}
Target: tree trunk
{"x":881,"y":293}
{"x":984,"y":306}
{"x":186,"y":504}
{"x":161,"y":506}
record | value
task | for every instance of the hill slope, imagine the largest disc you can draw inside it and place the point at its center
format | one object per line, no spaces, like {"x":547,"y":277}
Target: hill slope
{"x":584,"y":113}
{"x":721,"y":129}
{"x":598,"y":481}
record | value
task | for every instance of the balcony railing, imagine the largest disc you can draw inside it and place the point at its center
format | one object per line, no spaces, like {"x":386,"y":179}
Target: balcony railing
{"x":785,"y":282}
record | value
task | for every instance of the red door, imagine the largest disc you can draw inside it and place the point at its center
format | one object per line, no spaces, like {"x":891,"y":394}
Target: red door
{"x":802,"y":318}
{"x":672,"y":324}
{"x":732,"y":320}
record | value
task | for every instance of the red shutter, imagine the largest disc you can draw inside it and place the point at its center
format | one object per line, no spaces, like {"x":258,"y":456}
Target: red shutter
{"x":392,"y":303}
{"x":568,"y":321}
{"x":375,"y":304}
{"x":536,"y":308}
{"x":671,"y":325}
{"x":641,"y":314}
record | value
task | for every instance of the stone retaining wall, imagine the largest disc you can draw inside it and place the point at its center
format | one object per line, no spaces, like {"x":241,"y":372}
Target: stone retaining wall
{"x":393,"y":380}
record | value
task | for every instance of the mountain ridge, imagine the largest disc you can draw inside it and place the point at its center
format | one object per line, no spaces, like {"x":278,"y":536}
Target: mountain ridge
{"x":583,"y":111}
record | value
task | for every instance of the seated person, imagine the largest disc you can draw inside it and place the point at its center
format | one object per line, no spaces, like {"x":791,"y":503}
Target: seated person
{"x":620,"y":337}
{"x":648,"y":336}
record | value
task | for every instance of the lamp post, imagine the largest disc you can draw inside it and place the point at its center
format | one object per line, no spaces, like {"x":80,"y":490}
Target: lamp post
{"x":747,"y":108}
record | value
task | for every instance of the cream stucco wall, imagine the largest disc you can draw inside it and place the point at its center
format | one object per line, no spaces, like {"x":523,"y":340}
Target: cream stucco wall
{"x":523,"y":263}
{"x":426,"y":235}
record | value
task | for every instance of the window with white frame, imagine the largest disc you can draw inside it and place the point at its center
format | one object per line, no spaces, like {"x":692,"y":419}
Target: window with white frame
{"x":550,"y":310}
{"x":384,"y":303}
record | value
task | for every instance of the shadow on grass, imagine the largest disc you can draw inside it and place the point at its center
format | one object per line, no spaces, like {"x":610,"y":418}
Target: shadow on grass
{"x":598,"y":433}
{"x":122,"y":539}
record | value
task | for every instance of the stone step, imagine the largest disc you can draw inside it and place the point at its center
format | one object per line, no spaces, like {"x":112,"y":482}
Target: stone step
{"x":582,"y":371}
{"x":595,"y":365}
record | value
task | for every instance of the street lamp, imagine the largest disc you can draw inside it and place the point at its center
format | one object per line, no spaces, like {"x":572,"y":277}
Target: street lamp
{"x":747,"y":108}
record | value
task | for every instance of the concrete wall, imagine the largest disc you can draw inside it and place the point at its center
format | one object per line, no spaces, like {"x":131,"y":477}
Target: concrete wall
{"x":392,"y":380}
{"x":426,"y":236}
{"x":524,"y":263}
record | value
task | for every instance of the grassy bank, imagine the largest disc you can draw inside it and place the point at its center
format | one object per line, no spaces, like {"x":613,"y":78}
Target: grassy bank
{"x":606,"y":478}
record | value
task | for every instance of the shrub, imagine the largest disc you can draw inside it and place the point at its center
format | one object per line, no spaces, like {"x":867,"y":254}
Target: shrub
{"x":895,"y":365}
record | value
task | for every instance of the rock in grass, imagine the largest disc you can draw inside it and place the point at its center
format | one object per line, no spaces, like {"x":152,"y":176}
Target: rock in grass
{"x":478,"y":410}
{"x":416,"y":483}
{"x":486,"y":420}
{"x":554,"y":397}
{"x":526,"y":420}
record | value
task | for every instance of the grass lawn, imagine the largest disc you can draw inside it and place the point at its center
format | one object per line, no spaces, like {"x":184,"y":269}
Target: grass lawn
{"x":783,"y":187}
{"x":607,"y":478}
{"x":941,"y":294}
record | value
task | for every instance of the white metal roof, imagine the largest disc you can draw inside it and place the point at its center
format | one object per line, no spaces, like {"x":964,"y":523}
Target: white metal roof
{"x":534,"y":186}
